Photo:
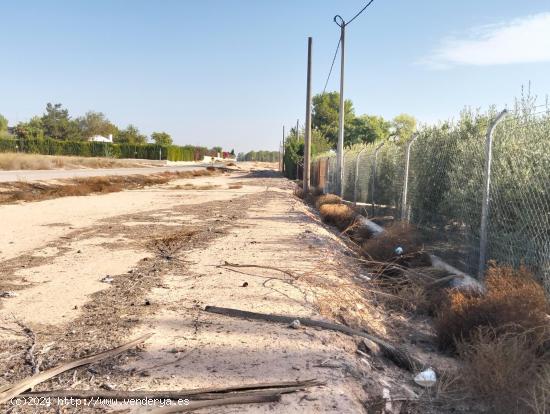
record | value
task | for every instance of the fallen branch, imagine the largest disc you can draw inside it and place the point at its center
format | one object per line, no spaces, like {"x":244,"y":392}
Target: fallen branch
{"x":195,"y":405}
{"x":286,"y":272}
{"x":30,"y":382}
{"x":30,"y":357}
{"x":191,"y":394}
{"x":398,"y":356}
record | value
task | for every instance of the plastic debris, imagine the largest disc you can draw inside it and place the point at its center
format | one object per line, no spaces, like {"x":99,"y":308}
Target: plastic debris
{"x":6,"y":294}
{"x":295,"y":324}
{"x":107,"y":279}
{"x":426,"y":378}
{"x":399,"y":250}
{"x":364,"y":277}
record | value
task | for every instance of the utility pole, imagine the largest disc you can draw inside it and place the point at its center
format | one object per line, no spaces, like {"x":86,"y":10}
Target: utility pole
{"x":340,"y":147}
{"x":297,"y":128}
{"x":307,"y":139}
{"x":283,"y":167}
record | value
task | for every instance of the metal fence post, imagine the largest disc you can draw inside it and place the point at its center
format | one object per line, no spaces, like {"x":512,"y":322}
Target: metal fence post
{"x":357,"y":175}
{"x":406,"y":180}
{"x":486,"y":193}
{"x":374,"y":176}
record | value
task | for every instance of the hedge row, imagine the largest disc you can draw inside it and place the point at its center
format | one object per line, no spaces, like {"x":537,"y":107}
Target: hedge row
{"x":48,"y":146}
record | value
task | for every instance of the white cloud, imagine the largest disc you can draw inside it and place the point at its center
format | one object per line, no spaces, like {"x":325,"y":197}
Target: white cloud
{"x":523,"y":40}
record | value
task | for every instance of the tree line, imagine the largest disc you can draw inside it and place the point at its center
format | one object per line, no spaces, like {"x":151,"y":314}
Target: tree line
{"x":56,"y":123}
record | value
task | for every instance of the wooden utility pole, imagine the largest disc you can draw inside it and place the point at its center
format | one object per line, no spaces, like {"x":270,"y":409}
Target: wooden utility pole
{"x":340,"y":146}
{"x":307,"y":140}
{"x":283,"y":167}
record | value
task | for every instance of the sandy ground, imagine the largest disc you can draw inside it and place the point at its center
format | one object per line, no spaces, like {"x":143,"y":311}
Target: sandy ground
{"x":162,"y":250}
{"x":42,"y":175}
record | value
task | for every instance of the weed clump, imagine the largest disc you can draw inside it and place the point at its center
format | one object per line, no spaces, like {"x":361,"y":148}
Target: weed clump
{"x":514,"y":302}
{"x":327,"y":199}
{"x":507,"y":371}
{"x":398,"y":244}
{"x":338,"y":215}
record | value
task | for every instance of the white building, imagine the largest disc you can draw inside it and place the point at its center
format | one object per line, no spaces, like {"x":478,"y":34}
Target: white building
{"x":100,"y":138}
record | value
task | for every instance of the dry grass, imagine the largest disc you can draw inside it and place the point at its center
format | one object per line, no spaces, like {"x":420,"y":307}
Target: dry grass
{"x":327,"y":199}
{"x":19,"y":161}
{"x":514,"y":302}
{"x":235,"y":186}
{"x":509,"y":372}
{"x":299,"y":192}
{"x":34,"y":191}
{"x":170,"y":243}
{"x":382,"y":248}
{"x":338,"y":215}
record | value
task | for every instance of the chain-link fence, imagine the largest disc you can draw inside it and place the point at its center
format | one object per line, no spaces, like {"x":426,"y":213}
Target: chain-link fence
{"x":436,"y":181}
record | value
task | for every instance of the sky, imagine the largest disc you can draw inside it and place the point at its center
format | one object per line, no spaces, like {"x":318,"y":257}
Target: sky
{"x":233,"y":72}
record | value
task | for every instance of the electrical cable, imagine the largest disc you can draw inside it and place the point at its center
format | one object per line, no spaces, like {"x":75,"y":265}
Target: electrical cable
{"x":332,"y":65}
{"x":359,"y":13}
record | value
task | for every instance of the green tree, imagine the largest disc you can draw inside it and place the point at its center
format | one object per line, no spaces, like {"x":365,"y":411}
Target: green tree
{"x":161,"y":138}
{"x":32,"y":129}
{"x":3,"y":124}
{"x":4,"y":127}
{"x":217,"y":150}
{"x":130,"y":135}
{"x":325,"y":115}
{"x":57,"y":123}
{"x":404,"y":126}
{"x":95,"y":123}
{"x":368,"y":129}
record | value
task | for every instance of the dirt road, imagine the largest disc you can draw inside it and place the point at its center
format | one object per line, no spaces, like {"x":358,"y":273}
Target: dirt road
{"x":162,"y":251}
{"x":43,"y":175}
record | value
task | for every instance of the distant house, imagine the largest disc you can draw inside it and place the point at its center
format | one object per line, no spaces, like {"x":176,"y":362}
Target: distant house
{"x":100,"y":138}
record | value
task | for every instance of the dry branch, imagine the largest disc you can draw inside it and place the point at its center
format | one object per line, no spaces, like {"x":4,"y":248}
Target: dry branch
{"x":398,"y":356}
{"x":286,"y":272}
{"x":195,"y":405}
{"x":30,"y":382}
{"x":209,"y":393}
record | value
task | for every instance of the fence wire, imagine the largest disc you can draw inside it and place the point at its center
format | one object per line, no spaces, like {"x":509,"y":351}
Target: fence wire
{"x":445,"y":188}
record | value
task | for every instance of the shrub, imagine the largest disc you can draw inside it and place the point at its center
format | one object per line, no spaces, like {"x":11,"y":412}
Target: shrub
{"x":514,"y":302}
{"x":48,"y":146}
{"x":507,"y":371}
{"x":327,"y":199}
{"x":382,"y":247}
{"x":338,"y":215}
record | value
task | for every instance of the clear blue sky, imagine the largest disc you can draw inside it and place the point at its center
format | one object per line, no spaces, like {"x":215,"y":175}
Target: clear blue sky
{"x":232,"y":72}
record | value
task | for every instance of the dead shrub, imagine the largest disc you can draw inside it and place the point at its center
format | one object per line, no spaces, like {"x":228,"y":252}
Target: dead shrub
{"x":231,"y":164}
{"x":538,"y":397}
{"x":506,"y":370}
{"x":168,"y":244}
{"x":382,"y":248}
{"x":327,"y":199}
{"x":299,"y":192}
{"x":514,"y":301}
{"x":338,"y":215}
{"x":409,"y":289}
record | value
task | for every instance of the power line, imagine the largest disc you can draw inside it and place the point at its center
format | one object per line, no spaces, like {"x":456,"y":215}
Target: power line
{"x":360,"y":11}
{"x":332,"y":65}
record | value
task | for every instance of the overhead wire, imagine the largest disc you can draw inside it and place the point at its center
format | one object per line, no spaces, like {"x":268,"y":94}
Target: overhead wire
{"x":332,"y":64}
{"x":358,"y":13}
